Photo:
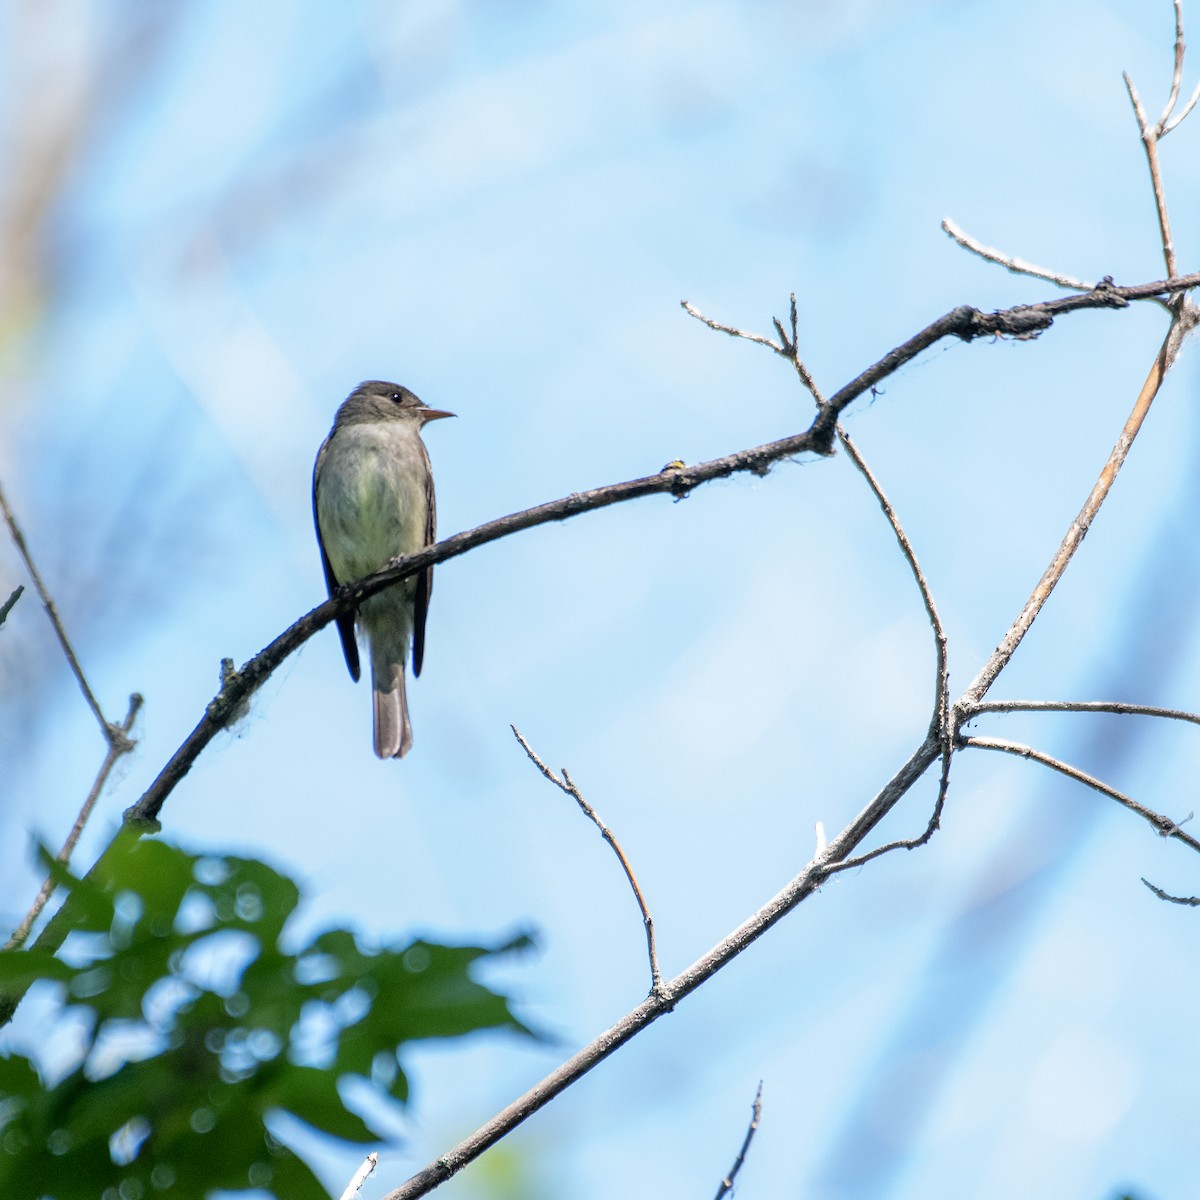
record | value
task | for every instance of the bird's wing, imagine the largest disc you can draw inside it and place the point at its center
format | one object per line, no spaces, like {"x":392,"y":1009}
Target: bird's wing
{"x":425,"y":578}
{"x":345,"y":623}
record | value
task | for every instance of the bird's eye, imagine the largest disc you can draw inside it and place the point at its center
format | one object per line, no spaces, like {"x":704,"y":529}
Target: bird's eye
{"x":397,"y":396}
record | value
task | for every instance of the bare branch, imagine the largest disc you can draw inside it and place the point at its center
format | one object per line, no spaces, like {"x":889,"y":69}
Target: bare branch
{"x":935,"y":821}
{"x":1150,"y":145}
{"x":822,"y":842}
{"x":654,"y":1006}
{"x":942,"y":684}
{"x":567,"y":784}
{"x":1138,"y":111}
{"x":787,"y":347}
{"x":1177,"y":73}
{"x":793,"y":347}
{"x":117,"y":736}
{"x":1164,"y":825}
{"x":1118,"y":707}
{"x":116,"y":748}
{"x":755,"y":1116}
{"x":18,"y":538}
{"x":1190,"y":901}
{"x":1082,"y":523}
{"x":964,"y":322}
{"x":939,"y":725}
{"x":1193,"y":99}
{"x":7,"y":606}
{"x":361,"y":1176}
{"x":1010,"y":262}
{"x":757,"y":338}
{"x":1166,"y":122}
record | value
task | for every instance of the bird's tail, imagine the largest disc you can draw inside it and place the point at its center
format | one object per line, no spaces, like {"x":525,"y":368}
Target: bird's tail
{"x":393,"y":733}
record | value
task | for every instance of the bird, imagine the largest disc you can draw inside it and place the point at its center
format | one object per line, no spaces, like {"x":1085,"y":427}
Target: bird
{"x":373,"y":501}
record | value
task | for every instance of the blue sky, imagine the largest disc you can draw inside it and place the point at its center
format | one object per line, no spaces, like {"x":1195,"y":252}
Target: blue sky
{"x":501,"y":206}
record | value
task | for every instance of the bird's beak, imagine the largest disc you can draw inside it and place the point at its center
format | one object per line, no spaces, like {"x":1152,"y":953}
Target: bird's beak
{"x":433,"y":414}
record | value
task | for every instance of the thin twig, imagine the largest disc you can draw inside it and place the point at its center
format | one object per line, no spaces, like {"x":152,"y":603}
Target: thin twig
{"x":1010,"y":262}
{"x":1190,"y":901}
{"x":567,"y":784}
{"x":940,"y":724}
{"x":755,"y":1116}
{"x":786,"y":347}
{"x":7,"y":606}
{"x":116,"y":748}
{"x":758,"y":338}
{"x":806,"y":884}
{"x":1177,"y":73}
{"x":1119,"y":707}
{"x":1164,"y":825}
{"x":910,"y":556}
{"x":117,"y":736}
{"x":1024,"y":322}
{"x":789,"y":348}
{"x":1166,"y":122}
{"x":934,"y":823}
{"x":361,"y":1176}
{"x":1149,"y":137}
{"x":1082,"y":523}
{"x":940,"y":721}
{"x":1193,"y":99}
{"x":965,"y":323}
{"x":48,"y":603}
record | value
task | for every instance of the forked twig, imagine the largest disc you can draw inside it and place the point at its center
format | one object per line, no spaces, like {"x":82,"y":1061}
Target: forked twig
{"x":786,"y":347}
{"x":789,"y":348}
{"x":1166,"y":122}
{"x":1181,"y":322}
{"x":934,"y":823}
{"x":110,"y":730}
{"x":1021,"y":322}
{"x":964,"y":322}
{"x":940,"y":726}
{"x":1163,"y":825}
{"x":1150,"y":136}
{"x":755,"y":1116}
{"x":116,"y":748}
{"x":116,"y":735}
{"x":567,"y":784}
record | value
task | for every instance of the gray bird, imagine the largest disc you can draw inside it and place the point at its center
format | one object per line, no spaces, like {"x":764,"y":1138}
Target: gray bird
{"x":373,"y":501}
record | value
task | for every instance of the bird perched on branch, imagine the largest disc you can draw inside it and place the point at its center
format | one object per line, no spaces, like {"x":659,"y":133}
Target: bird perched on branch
{"x":373,"y":501}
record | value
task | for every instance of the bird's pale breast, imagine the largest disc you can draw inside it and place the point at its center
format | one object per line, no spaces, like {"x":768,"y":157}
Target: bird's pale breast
{"x":371,"y":497}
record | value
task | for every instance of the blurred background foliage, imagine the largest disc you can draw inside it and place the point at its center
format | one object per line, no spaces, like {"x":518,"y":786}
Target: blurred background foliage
{"x":196,"y":1027}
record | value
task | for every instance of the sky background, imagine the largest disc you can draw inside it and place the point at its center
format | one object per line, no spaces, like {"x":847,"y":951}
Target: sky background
{"x":217,"y":218}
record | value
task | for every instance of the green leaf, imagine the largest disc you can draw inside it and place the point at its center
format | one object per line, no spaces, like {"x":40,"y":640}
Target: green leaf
{"x":312,"y":1095}
{"x":20,"y":968}
{"x":18,"y":1077}
{"x":252,"y":896}
{"x":160,"y":875}
{"x":205,"y":1026}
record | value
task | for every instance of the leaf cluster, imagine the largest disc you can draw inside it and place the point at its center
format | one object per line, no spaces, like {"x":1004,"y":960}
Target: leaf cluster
{"x":197,"y":1022}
